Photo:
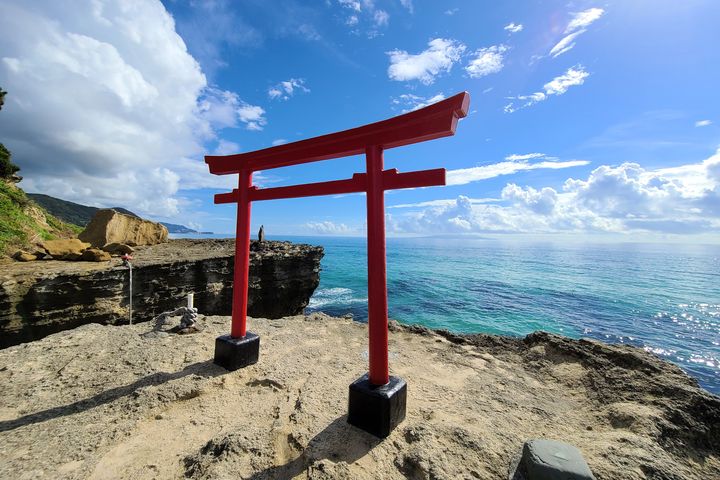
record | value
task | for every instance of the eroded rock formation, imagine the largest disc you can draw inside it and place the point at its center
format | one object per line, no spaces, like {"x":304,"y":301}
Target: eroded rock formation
{"x":40,"y":298}
{"x":110,"y":226}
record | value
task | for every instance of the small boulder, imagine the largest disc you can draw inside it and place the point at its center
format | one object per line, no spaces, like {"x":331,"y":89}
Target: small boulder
{"x":118,"y":249}
{"x":23,"y":256}
{"x":69,"y":249}
{"x":543,"y":459}
{"x":109,"y":226}
{"x":95,"y":255}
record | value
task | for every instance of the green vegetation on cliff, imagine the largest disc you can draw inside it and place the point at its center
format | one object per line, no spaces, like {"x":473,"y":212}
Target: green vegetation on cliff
{"x":23,"y":222}
{"x":7,"y":168}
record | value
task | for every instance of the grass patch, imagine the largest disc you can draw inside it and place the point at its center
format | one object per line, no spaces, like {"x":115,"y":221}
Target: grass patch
{"x":18,"y":229}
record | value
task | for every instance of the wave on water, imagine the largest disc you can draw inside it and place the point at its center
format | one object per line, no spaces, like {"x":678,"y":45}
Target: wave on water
{"x":336,"y":297}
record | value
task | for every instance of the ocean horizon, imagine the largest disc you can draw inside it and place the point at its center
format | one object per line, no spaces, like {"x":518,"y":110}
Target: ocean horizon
{"x":659,"y":297}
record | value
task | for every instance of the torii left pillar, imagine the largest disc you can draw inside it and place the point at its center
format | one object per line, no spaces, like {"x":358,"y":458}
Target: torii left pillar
{"x":241,"y":348}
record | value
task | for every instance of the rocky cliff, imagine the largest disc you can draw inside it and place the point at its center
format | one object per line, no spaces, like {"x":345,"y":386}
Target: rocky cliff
{"x":103,"y":402}
{"x":40,"y":298}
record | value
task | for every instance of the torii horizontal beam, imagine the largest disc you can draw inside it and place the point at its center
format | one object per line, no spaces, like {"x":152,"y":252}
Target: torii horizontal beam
{"x":392,"y":180}
{"x":436,"y":121}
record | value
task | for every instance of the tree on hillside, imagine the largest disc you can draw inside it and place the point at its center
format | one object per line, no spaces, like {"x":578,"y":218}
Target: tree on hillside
{"x":7,"y":168}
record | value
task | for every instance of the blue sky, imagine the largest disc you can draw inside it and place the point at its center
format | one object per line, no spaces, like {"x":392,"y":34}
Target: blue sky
{"x":587,"y":118}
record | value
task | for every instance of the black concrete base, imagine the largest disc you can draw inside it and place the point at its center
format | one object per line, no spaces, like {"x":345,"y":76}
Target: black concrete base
{"x":234,"y":353}
{"x":377,"y":409}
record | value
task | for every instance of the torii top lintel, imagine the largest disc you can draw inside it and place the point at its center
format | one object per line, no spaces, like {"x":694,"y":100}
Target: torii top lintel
{"x":435,"y":121}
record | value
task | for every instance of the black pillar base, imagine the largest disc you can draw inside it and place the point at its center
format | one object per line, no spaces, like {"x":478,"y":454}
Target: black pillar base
{"x":377,"y":409}
{"x":234,"y":353}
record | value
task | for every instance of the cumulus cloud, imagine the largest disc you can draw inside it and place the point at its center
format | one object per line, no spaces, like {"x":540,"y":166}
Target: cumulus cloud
{"x":576,"y":27}
{"x":486,"y":61}
{"x":557,"y":86}
{"x":105,"y":103}
{"x":513,"y":27}
{"x":626,"y":198}
{"x":703,"y":123}
{"x":438,"y":58}
{"x":451,"y":11}
{"x":286,"y":89}
{"x":410,"y":102}
{"x":514,"y":164}
{"x":539,"y":201}
{"x":328,"y":228}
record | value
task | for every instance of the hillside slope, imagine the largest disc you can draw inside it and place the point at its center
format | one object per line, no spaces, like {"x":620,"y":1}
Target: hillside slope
{"x":70,"y":212}
{"x":24,"y":223}
{"x":78,"y":214}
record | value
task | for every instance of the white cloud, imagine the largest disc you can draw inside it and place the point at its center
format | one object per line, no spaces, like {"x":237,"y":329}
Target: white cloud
{"x":351,"y":4}
{"x":703,"y":123}
{"x":106,"y":106}
{"x":576,"y":27}
{"x":408,"y":4}
{"x":226,"y":147}
{"x":375,"y":18}
{"x":443,"y":203}
{"x":584,"y":19}
{"x":487,"y":60}
{"x":525,"y":156}
{"x":620,"y":199}
{"x":411,"y":102}
{"x":557,"y":86}
{"x":513,"y":27}
{"x":539,"y":201}
{"x":225,"y":109}
{"x":566,"y":44}
{"x":439,"y":57}
{"x":452,"y":11}
{"x":463,"y":176}
{"x":381,"y":17}
{"x":279,"y":141}
{"x":286,"y":89}
{"x":328,"y":228}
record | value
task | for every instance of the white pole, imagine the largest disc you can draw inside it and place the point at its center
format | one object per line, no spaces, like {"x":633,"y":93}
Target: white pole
{"x":191,"y":299}
{"x":130,"y":292}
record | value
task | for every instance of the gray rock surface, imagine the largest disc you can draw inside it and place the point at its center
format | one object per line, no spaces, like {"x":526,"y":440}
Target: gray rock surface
{"x":543,"y":459}
{"x":40,"y":298}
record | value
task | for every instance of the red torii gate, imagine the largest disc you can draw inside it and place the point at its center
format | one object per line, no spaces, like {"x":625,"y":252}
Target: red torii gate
{"x":241,"y":347}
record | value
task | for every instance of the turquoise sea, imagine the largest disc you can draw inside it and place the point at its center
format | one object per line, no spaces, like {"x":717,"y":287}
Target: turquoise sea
{"x":663,"y":298}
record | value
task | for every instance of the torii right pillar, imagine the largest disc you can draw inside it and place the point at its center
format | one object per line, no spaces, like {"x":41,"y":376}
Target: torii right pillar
{"x":377,"y":401}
